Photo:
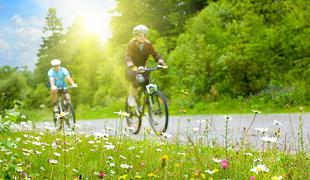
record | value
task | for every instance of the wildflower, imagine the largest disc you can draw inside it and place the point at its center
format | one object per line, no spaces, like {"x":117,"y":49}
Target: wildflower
{"x":248,"y":154}
{"x":110,"y":157}
{"x":257,"y":160}
{"x":42,"y":168}
{"x":164,"y":160}
{"x":52,"y":161}
{"x":269,"y":139}
{"x":166,"y":135}
{"x":211,"y":172}
{"x":158,"y":150}
{"x":112,"y":164}
{"x":56,"y":154}
{"x":256,"y":111}
{"x":123,"y":157}
{"x":217,"y":160}
{"x":122,"y":177}
{"x":203,"y":176}
{"x":19,"y":169}
{"x":122,"y":114}
{"x":109,"y":147}
{"x":181,"y":153}
{"x":276,"y":177}
{"x":261,"y":130}
{"x":275,"y":122}
{"x":126,"y":166}
{"x":224,"y":164}
{"x":37,"y":152}
{"x":252,"y":178}
{"x":75,"y":170}
{"x":137,"y":177}
{"x":101,"y":175}
{"x":259,"y":168}
{"x":228,"y":117}
{"x":151,"y":175}
{"x":91,"y":142}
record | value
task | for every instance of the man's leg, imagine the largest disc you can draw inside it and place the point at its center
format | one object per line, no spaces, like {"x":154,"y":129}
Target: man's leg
{"x":54,"y":100}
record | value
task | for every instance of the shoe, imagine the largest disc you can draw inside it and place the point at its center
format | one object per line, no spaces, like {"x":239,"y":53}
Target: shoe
{"x":131,"y":101}
{"x":55,"y":108}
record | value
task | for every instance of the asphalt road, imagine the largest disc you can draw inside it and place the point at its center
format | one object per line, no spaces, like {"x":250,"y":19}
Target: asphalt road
{"x":211,"y":128}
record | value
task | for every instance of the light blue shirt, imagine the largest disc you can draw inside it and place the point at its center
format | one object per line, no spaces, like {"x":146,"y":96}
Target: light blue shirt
{"x":59,"y":76}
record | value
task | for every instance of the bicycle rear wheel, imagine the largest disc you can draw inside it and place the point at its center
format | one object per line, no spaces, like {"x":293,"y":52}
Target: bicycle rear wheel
{"x":70,"y":117}
{"x":134,"y":119}
{"x":57,"y":120}
{"x":158,"y":112}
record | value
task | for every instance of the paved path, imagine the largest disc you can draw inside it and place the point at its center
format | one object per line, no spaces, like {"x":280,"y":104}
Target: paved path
{"x":207,"y":128}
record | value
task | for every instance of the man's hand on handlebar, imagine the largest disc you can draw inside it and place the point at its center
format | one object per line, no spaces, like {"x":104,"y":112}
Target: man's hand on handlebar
{"x":162,"y":64}
{"x":53,"y":88}
{"x":140,"y":69}
{"x":74,"y":85}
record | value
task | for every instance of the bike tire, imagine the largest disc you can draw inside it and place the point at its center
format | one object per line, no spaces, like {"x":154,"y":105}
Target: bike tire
{"x":158,"y":112}
{"x":57,"y":122}
{"x":70,"y":118}
{"x":133,"y":120}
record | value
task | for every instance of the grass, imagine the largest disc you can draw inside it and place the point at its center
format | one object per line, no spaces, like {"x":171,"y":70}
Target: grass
{"x":48,"y":154}
{"x":43,"y":154}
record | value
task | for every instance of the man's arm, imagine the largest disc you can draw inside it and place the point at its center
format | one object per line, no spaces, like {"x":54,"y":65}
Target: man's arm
{"x":52,"y":83}
{"x":128,"y":57}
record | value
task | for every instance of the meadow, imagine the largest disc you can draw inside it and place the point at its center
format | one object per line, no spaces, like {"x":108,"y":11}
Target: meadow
{"x":29,"y":153}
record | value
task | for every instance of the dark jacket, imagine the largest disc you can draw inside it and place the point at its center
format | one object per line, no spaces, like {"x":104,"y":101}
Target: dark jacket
{"x":136,"y":57}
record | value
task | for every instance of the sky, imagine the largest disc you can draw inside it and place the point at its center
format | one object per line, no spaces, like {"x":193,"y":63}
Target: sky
{"x":22,"y":22}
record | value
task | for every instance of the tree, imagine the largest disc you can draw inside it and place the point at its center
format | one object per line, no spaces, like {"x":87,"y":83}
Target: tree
{"x":51,"y":47}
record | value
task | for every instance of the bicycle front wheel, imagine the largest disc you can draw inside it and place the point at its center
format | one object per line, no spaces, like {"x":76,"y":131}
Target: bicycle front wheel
{"x":158,"y":112}
{"x":70,"y":118}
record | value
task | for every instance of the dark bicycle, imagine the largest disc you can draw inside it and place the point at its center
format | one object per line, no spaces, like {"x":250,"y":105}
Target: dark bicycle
{"x":65,"y":112}
{"x":157,"y":107}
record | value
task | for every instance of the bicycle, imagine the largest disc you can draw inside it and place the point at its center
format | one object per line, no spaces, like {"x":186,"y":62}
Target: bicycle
{"x":65,"y":110}
{"x":157,"y":107}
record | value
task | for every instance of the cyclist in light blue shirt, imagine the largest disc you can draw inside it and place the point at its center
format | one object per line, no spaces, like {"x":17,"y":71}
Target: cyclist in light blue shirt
{"x":57,"y":80}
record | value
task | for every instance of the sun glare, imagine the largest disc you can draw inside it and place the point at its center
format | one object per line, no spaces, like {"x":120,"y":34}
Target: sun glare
{"x":97,"y":23}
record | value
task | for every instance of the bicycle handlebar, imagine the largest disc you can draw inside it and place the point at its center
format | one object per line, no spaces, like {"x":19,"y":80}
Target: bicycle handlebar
{"x":65,"y":88}
{"x":152,"y":69}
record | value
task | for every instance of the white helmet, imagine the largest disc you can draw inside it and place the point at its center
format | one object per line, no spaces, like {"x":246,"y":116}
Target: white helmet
{"x":55,"y":62}
{"x":140,"y":29}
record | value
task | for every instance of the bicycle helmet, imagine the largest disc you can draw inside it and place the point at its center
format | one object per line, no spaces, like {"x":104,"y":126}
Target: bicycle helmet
{"x":140,"y":29}
{"x":55,"y":62}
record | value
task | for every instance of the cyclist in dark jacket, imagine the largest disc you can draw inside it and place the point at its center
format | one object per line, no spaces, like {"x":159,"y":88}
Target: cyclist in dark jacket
{"x":138,"y":51}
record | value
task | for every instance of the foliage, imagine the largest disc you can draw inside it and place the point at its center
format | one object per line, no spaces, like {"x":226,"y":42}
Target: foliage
{"x":241,"y":50}
{"x":43,"y":154}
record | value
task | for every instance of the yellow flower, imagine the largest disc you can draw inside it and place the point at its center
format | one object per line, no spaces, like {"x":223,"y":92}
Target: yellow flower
{"x":122,"y":177}
{"x":215,"y":170}
{"x":210,"y":178}
{"x":137,"y":177}
{"x":203,"y":176}
{"x":151,"y":175}
{"x":276,"y":177}
{"x":158,"y":133}
{"x":177,"y":165}
{"x":165,"y":157}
